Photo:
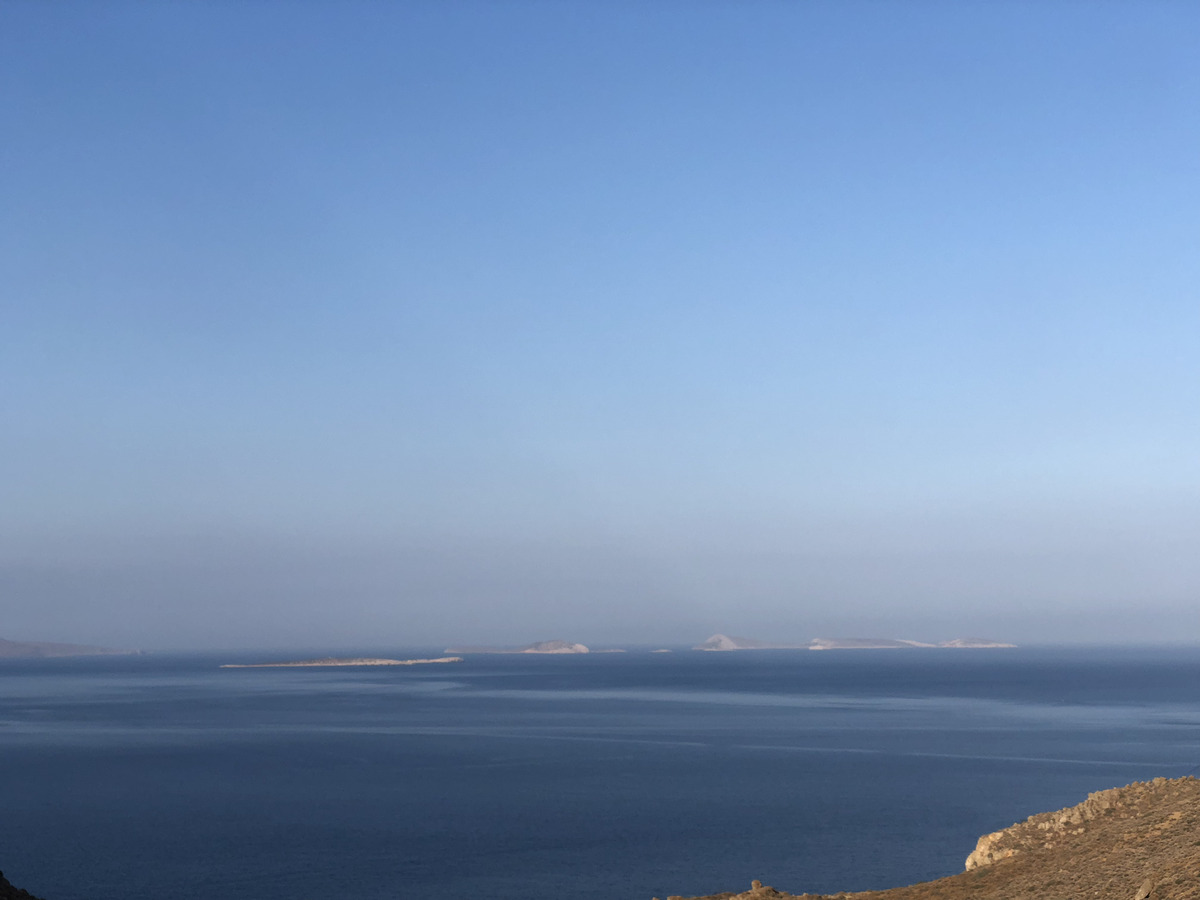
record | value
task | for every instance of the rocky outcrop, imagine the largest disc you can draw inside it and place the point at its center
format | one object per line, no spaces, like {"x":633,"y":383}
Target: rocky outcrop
{"x":10,"y":892}
{"x":758,"y":891}
{"x":1045,"y":829}
{"x":1139,"y":842}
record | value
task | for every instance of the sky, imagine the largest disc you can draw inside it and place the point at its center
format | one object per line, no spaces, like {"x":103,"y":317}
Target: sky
{"x":362,"y":323}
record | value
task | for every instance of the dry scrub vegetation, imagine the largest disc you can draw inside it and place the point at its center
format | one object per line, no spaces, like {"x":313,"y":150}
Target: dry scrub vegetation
{"x":1140,"y":842}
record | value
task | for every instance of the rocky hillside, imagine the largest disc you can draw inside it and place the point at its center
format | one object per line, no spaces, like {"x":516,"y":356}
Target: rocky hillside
{"x":8,"y":892}
{"x":44,"y":650}
{"x":1140,"y":842}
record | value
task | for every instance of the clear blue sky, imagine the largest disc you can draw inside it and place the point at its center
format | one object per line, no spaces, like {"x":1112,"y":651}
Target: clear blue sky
{"x":399,"y":323}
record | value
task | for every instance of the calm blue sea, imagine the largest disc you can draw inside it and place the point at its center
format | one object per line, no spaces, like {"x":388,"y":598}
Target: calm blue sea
{"x":602,"y":777}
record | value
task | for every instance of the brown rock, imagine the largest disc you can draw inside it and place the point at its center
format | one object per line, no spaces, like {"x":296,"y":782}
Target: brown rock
{"x":1100,"y":849}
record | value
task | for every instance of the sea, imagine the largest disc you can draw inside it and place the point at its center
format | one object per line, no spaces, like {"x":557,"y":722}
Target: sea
{"x":619,"y":776}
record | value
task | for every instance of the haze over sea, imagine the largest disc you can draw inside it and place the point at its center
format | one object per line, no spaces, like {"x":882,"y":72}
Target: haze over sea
{"x":340,"y":322}
{"x":598,"y":777}
{"x":481,"y":321}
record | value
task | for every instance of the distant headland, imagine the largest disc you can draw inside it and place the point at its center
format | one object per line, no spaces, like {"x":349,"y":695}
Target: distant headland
{"x":344,"y":661}
{"x":43,"y":650}
{"x":538,"y":647}
{"x":723,"y":642}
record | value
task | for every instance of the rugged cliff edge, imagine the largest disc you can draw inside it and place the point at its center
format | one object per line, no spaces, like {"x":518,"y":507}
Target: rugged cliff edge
{"x":1139,"y":842}
{"x":8,"y":892}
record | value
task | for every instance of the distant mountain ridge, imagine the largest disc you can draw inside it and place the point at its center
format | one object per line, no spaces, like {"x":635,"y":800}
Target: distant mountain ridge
{"x":550,"y":647}
{"x":723,"y":642}
{"x":45,"y":650}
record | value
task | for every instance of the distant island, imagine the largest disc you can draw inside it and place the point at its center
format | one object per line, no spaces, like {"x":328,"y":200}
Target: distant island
{"x":888,"y":644}
{"x":864,"y":644}
{"x":723,"y":642}
{"x":345,"y":661}
{"x":538,"y":647}
{"x":972,"y":643}
{"x":43,"y":650}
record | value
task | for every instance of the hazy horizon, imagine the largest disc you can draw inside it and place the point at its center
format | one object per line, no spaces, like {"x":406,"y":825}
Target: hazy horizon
{"x":365,"y":324}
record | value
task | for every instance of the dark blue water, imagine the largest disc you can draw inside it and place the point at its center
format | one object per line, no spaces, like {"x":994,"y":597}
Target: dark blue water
{"x":606,"y":776}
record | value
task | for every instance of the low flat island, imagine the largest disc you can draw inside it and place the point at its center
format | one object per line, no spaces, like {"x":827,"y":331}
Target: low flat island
{"x":335,"y":661}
